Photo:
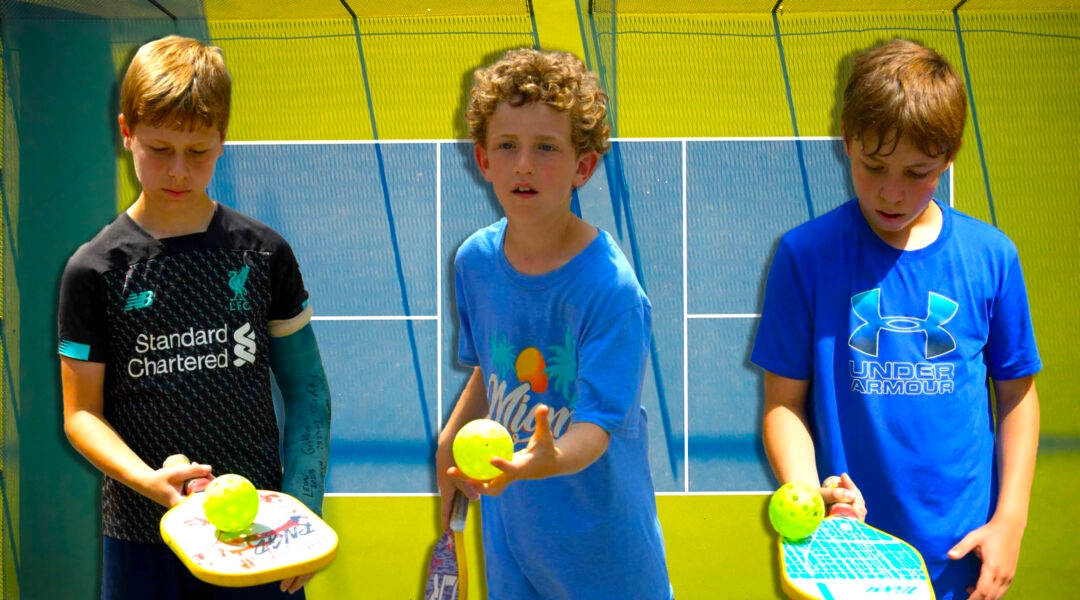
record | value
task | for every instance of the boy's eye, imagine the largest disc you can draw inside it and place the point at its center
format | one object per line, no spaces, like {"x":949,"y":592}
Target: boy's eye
{"x":547,"y":147}
{"x":874,"y":168}
{"x":506,"y":146}
{"x":914,"y":175}
{"x":197,"y":152}
{"x":159,"y":149}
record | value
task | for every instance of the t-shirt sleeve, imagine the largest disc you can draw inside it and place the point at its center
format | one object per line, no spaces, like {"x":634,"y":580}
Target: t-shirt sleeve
{"x":1011,"y":351}
{"x":612,"y":358}
{"x":466,"y":347}
{"x":784,"y":340}
{"x":81,"y":319}
{"x":289,"y":295}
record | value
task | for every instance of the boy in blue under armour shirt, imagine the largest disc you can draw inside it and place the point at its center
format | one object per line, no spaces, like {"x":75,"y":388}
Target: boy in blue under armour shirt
{"x":884,"y":322}
{"x":170,"y":321}
{"x":556,"y":328}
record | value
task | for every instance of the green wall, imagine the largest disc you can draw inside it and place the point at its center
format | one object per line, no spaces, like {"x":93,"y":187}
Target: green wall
{"x":58,"y":166}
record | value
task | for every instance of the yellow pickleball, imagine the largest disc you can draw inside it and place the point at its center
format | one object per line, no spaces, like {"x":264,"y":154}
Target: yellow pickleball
{"x":796,"y":510}
{"x":477,"y":443}
{"x":231,"y":503}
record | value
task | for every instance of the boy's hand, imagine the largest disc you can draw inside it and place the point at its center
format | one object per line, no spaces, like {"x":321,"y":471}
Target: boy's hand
{"x":842,"y":490}
{"x":166,"y":485}
{"x":997,"y":544}
{"x":293,"y":584}
{"x":449,"y":478}
{"x":538,"y":460}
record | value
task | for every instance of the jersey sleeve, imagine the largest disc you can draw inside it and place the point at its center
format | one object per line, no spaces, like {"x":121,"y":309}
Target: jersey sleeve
{"x":1011,"y":351}
{"x":784,"y":340}
{"x":289,"y":295}
{"x":81,"y":316}
{"x":612,"y":358}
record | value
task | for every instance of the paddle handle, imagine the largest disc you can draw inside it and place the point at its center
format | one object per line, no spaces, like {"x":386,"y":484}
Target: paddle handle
{"x":458,"y":510}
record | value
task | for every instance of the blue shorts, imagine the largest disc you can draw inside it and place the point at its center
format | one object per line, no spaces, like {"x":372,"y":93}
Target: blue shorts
{"x":136,"y":571}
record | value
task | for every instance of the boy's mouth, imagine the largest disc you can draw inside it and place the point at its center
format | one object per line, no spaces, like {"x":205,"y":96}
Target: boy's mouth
{"x":523,"y":190}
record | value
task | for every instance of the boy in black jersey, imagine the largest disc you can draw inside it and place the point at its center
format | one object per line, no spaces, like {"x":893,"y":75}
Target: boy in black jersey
{"x":171,"y":319}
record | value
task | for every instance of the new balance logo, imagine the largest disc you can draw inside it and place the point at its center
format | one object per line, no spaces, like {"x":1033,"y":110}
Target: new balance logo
{"x":139,"y":300}
{"x":867,"y":308}
{"x":245,"y":346}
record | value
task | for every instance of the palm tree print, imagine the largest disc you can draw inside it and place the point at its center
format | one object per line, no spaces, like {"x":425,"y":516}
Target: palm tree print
{"x":562,"y":369}
{"x":502,"y":354}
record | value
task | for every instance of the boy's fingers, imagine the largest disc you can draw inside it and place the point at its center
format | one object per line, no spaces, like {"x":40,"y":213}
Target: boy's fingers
{"x":543,"y":426}
{"x":832,"y":493}
{"x":961,"y":549}
{"x":176,"y":460}
{"x":847,"y":482}
{"x":838,"y":496}
{"x":463,"y":484}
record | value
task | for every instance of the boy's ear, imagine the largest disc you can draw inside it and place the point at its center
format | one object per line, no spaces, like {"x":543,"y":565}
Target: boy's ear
{"x":124,"y":131}
{"x":481,"y":160}
{"x":586,"y":166}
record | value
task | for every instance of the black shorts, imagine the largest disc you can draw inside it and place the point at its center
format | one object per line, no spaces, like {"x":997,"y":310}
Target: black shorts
{"x":138,"y":571}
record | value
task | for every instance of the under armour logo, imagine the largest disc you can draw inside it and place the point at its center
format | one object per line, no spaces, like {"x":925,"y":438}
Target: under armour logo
{"x":867,"y":307}
{"x":245,"y":345}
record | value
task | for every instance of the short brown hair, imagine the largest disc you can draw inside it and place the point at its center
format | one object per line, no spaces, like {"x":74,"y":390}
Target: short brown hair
{"x":902,"y":88}
{"x":558,"y":79}
{"x":177,"y":82}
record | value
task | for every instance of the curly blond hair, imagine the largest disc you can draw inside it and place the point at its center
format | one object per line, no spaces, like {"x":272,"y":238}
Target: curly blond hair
{"x":902,"y":88}
{"x":558,"y":79}
{"x":176,"y":82}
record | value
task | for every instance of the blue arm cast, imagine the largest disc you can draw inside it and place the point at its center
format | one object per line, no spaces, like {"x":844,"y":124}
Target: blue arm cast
{"x":299,"y":372}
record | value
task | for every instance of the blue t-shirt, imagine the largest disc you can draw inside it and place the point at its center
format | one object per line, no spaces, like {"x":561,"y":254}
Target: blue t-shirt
{"x":575,"y":339}
{"x":898,"y":347}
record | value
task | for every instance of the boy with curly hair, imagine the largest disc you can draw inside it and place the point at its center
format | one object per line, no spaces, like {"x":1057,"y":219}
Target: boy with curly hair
{"x":556,"y":328}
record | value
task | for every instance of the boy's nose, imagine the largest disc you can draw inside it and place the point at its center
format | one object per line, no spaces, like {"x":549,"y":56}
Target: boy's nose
{"x":178,"y":166}
{"x":524,"y":163}
{"x":892,"y":191}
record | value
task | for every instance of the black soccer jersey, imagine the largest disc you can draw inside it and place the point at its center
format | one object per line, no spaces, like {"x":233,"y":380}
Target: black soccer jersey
{"x":181,"y":325}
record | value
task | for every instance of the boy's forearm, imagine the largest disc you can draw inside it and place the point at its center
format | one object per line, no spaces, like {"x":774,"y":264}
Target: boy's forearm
{"x":87,"y":429}
{"x":581,"y":445}
{"x":789,"y":447}
{"x":785,"y":431}
{"x":298,"y":368}
{"x":99,"y":443}
{"x":1017,"y":446}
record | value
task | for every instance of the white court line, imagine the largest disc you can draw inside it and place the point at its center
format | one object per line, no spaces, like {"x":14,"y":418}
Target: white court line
{"x":685,"y":336}
{"x":789,"y":138}
{"x":378,"y":318}
{"x":435,"y":494}
{"x":438,"y":317}
{"x":438,"y":290}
